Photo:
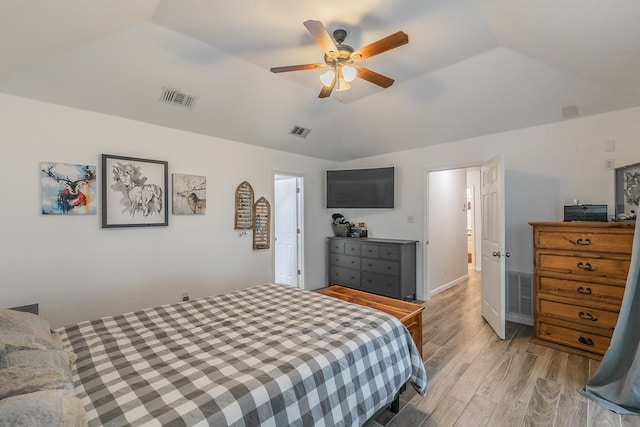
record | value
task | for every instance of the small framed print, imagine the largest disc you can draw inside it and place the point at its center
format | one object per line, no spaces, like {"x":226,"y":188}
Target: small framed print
{"x":134,"y":192}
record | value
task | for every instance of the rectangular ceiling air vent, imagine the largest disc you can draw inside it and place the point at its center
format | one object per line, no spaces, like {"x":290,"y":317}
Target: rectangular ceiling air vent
{"x":300,"y":131}
{"x":175,"y":97}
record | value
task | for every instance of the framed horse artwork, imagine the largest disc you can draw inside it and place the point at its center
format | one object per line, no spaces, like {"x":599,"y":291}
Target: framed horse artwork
{"x":134,"y":192}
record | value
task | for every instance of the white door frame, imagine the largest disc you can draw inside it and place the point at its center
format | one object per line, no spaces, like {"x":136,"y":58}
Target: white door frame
{"x":299,"y":220}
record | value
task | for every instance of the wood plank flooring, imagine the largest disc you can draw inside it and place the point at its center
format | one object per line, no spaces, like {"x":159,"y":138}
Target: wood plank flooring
{"x":476,"y":379}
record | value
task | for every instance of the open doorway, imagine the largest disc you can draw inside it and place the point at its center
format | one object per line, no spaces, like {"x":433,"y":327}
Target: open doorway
{"x":445,"y":258}
{"x":453,"y":227}
{"x":287,"y":219}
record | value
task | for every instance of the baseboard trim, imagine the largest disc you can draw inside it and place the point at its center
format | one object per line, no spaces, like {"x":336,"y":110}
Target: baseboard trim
{"x":448,"y":285}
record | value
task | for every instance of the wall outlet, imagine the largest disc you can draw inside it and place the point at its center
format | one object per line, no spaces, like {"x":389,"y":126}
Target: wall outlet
{"x":610,"y":146}
{"x":609,"y":164}
{"x":185,"y":296}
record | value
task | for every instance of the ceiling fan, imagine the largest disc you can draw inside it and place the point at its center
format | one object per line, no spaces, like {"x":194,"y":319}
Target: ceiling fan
{"x":340,"y":59}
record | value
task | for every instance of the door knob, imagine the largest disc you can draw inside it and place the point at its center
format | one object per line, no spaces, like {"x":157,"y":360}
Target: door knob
{"x":497,"y":253}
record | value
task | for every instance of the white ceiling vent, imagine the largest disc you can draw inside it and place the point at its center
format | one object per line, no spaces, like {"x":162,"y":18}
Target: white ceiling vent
{"x":300,"y":131}
{"x":175,"y":97}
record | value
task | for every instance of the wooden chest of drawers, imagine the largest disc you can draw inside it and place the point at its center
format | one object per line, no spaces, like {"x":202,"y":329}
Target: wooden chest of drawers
{"x":380,"y":266}
{"x":580,"y":271}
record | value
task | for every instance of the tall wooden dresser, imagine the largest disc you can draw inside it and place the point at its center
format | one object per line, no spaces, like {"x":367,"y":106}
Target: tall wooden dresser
{"x":580,"y":271}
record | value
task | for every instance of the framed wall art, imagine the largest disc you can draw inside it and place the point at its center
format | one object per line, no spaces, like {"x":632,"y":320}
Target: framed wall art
{"x":244,"y":207}
{"x":189,"y":194}
{"x":134,"y":192}
{"x":68,"y":189}
{"x":627,"y":192}
{"x":262,"y":220}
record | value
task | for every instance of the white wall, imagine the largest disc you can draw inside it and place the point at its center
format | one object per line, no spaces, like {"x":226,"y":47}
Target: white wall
{"x":546,"y":168}
{"x":77,"y":270}
{"x":447,"y":225}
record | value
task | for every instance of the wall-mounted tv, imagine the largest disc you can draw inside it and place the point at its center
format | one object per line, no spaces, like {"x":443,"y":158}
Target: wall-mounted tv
{"x":361,"y":188}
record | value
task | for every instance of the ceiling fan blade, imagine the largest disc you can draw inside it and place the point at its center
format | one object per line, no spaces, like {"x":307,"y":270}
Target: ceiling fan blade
{"x":390,"y":42}
{"x":319,"y":32}
{"x":373,"y":77}
{"x":326,"y":90}
{"x":297,"y":68}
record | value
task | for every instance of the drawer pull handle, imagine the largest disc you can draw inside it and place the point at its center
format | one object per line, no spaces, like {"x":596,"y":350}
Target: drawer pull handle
{"x":585,"y":341}
{"x":388,"y":268}
{"x":582,"y":290}
{"x":583,"y":242}
{"x":587,"y":316}
{"x":586,"y":266}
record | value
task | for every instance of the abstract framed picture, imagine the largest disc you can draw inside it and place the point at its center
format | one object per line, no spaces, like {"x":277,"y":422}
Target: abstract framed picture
{"x":68,"y":189}
{"x":627,"y":192}
{"x":134,"y":192}
{"x":189,"y":194}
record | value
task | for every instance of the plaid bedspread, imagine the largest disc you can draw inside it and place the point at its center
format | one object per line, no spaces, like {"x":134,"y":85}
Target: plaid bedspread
{"x":269,"y":355}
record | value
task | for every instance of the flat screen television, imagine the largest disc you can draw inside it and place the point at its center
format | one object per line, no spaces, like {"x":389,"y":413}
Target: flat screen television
{"x":361,"y":188}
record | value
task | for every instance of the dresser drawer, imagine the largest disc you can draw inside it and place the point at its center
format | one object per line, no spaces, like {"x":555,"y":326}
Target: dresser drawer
{"x":593,"y":241}
{"x":345,"y":276}
{"x":580,"y":290}
{"x":390,"y":252}
{"x":345,"y":261}
{"x":352,"y":248}
{"x":371,"y":251}
{"x":577,"y":339}
{"x":336,"y":247}
{"x":381,"y":266}
{"x":579,"y":314}
{"x":596,"y":266}
{"x":380,"y":284}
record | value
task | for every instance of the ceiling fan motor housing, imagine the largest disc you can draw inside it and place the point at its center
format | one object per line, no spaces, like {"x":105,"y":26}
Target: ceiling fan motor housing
{"x":343,"y":55}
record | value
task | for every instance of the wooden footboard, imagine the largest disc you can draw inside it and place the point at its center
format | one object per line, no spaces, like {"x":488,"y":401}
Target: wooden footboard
{"x":408,"y":313}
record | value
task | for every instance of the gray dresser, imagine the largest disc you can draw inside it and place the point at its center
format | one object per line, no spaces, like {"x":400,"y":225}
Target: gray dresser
{"x":380,"y":266}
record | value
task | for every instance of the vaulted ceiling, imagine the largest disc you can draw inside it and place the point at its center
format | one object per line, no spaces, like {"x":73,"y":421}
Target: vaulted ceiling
{"x":471,"y":68}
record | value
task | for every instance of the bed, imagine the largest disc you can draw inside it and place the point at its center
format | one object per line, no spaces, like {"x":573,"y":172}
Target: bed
{"x":266,"y":355}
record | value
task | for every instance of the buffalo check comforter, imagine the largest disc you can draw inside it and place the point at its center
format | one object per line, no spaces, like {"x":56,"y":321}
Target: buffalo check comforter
{"x":267,"y":355}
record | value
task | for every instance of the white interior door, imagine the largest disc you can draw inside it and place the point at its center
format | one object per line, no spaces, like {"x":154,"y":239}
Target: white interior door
{"x":286,"y":230}
{"x":493,"y":241}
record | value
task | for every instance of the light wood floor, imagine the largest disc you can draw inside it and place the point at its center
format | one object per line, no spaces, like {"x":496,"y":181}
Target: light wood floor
{"x":476,"y":379}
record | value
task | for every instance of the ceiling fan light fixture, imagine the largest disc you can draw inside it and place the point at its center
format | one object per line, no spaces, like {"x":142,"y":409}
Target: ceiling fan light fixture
{"x":342,"y":85}
{"x":348,"y":73}
{"x":327,"y":78}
